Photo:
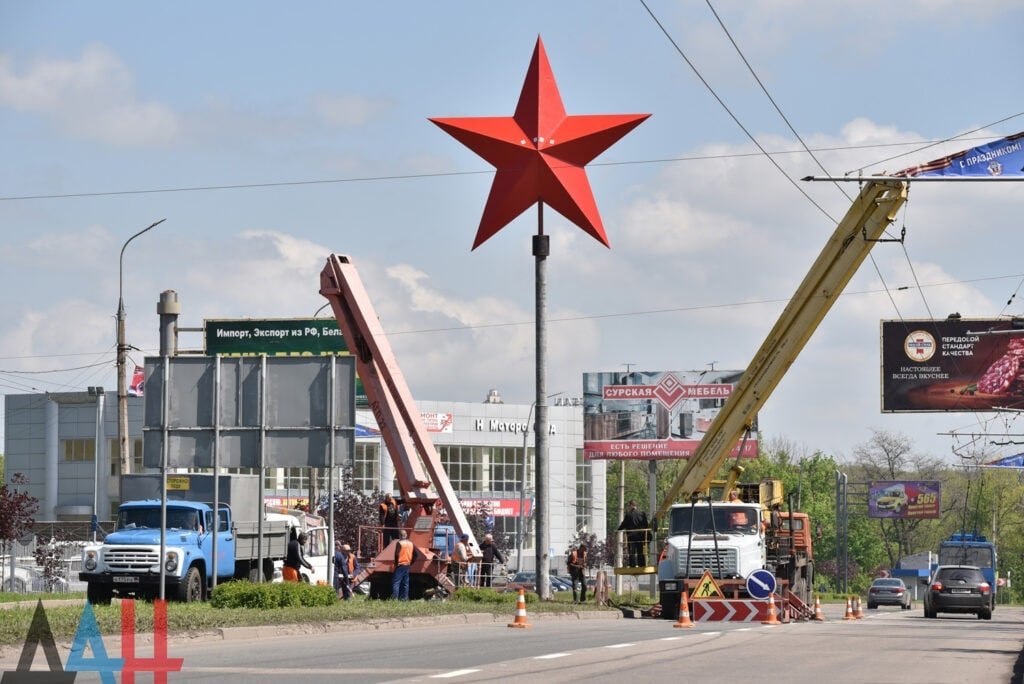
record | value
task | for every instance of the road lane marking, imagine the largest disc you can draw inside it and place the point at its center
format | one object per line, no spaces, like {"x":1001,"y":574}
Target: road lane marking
{"x":453,"y":673}
{"x":619,"y":645}
{"x":669,"y":638}
{"x":552,"y":655}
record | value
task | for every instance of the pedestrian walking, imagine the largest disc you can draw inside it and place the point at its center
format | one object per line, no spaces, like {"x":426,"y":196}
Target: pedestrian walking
{"x":636,"y":527}
{"x":406,"y":554}
{"x":577,"y":571}
{"x":389,"y":520}
{"x":489,"y":553}
{"x":294,"y":559}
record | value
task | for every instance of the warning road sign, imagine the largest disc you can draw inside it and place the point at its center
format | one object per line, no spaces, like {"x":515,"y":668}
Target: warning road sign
{"x":707,"y":587}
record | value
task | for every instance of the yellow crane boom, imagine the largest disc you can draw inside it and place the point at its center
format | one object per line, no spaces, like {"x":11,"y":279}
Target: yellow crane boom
{"x":871,"y":213}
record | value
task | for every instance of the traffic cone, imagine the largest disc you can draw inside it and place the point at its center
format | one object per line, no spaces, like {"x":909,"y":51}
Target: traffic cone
{"x":520,"y":619}
{"x":818,"y":614}
{"x":849,"y":609}
{"x":684,"y":612}
{"x":857,"y":612}
{"x":773,"y":618}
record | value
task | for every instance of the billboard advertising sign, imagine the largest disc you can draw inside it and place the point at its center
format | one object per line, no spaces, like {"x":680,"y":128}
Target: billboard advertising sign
{"x":654,"y":415}
{"x":284,"y":336}
{"x":904,"y":499}
{"x":952,"y":365}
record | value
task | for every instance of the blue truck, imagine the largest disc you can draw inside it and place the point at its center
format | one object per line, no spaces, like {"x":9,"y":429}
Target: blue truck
{"x":127,"y":562}
{"x":965,"y":548}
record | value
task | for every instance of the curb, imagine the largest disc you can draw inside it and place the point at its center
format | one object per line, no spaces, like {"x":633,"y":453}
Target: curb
{"x":269,"y":631}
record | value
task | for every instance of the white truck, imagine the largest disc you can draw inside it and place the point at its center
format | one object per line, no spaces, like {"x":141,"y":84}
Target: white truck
{"x":316,"y":550}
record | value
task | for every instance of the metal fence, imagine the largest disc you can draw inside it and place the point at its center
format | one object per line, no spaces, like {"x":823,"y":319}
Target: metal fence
{"x":20,"y":569}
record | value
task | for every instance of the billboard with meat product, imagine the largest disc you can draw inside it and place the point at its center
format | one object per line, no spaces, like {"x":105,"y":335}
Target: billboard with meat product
{"x":956,"y":364}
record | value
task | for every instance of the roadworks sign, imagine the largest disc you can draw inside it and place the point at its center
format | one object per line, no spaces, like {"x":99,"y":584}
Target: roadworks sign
{"x":707,"y":587}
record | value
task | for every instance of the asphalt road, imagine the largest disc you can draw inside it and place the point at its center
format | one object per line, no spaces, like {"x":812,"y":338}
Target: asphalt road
{"x":888,"y":645}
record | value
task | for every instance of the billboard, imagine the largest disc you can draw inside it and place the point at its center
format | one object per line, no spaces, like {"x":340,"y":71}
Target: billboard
{"x":904,"y":499}
{"x":654,"y":415}
{"x":274,"y":336}
{"x":957,"y":364}
{"x":249,"y":412}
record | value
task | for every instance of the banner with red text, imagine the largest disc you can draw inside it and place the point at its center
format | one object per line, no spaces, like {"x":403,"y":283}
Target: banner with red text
{"x":654,"y":415}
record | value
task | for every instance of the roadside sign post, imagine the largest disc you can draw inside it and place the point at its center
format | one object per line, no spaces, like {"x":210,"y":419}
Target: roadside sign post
{"x":761,"y":584}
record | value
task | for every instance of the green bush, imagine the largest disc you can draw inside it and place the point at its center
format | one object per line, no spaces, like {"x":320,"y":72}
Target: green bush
{"x":244,"y":594}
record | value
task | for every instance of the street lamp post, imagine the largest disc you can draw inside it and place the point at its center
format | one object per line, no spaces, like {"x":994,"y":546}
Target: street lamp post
{"x":521,"y":527}
{"x":122,"y":350}
{"x":97,"y":461}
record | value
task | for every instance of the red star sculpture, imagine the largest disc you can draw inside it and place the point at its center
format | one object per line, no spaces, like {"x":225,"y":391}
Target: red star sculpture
{"x":539,"y":153}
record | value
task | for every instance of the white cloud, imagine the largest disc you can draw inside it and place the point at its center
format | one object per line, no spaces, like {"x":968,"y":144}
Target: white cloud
{"x":92,"y":97}
{"x":348,"y":110}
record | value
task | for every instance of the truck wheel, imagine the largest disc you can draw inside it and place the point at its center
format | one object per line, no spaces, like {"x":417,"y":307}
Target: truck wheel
{"x":192,"y":588}
{"x":97,"y":594}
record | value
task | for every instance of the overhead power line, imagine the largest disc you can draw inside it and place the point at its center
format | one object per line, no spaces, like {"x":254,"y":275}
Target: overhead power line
{"x":416,"y":176}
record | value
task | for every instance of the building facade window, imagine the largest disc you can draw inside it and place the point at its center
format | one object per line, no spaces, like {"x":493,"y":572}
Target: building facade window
{"x":77,"y":450}
{"x":366,"y":466}
{"x":506,"y":469}
{"x":134,"y":453}
{"x":584,"y":492}
{"x":464,"y":465}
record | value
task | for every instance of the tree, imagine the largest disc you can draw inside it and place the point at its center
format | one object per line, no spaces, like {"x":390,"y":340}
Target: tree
{"x":890,"y":456}
{"x":17,"y":509}
{"x":355,"y":516}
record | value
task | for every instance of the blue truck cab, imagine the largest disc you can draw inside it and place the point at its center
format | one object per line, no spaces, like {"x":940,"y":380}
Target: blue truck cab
{"x":965,"y":548}
{"x":128,"y":562}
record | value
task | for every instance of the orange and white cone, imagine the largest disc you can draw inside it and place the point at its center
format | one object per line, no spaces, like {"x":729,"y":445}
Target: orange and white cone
{"x":857,"y":612}
{"x":818,"y":614}
{"x":773,"y":617}
{"x":849,"y":609}
{"x":520,"y":619}
{"x":684,"y":612}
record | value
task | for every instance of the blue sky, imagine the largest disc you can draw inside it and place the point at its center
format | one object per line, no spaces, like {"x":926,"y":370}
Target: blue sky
{"x":708,"y":239}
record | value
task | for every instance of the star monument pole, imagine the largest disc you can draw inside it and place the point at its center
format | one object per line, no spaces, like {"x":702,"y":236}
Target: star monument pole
{"x":539,"y":154}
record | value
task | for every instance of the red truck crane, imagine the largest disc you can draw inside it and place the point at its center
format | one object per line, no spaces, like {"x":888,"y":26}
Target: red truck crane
{"x":421,"y":477}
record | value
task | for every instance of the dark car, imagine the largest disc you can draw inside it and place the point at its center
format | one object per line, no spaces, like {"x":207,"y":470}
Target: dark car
{"x":958,"y":589}
{"x":888,"y":591}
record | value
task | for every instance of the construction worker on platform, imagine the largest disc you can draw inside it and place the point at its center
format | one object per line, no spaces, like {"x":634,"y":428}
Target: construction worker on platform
{"x":460,"y":560}
{"x":636,"y":527}
{"x":389,"y":520}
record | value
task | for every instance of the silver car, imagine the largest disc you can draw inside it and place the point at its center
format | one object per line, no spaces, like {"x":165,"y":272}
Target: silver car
{"x":888,"y":591}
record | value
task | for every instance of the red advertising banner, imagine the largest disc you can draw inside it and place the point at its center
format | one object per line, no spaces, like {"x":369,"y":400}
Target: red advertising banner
{"x":500,"y":508}
{"x":654,"y":415}
{"x":904,"y":499}
{"x":646,"y":449}
{"x":955,"y":364}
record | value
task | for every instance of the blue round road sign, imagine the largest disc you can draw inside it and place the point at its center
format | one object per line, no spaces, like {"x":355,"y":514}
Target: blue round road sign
{"x":760,"y":584}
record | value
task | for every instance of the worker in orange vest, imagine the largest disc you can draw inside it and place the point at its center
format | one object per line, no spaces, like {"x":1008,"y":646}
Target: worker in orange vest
{"x":346,"y":567}
{"x":406,"y":554}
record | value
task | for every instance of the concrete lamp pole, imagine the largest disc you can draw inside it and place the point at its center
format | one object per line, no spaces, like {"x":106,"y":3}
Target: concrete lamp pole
{"x":122,"y":351}
{"x":97,"y":461}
